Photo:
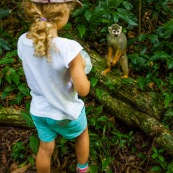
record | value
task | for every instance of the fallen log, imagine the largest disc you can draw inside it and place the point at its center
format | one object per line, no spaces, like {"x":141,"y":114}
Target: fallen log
{"x":135,"y":118}
{"x":13,"y":117}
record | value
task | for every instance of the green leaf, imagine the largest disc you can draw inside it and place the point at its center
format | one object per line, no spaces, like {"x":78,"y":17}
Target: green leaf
{"x":103,"y":119}
{"x":88,"y":109}
{"x":10,"y":88}
{"x":105,"y":20}
{"x":97,"y":14}
{"x":161,"y":150}
{"x":153,"y":38}
{"x":0,"y":51}
{"x":88,"y":14}
{"x":6,"y":60}
{"x":143,"y":50}
{"x":20,"y":71}
{"x":127,"y":16}
{"x":81,"y":29}
{"x":93,"y":168}
{"x":141,"y":81}
{"x":15,"y":78}
{"x":22,"y":88}
{"x":154,"y":149}
{"x":4,"y":94}
{"x":99,"y":93}
{"x":142,"y":37}
{"x":93,"y":81}
{"x":115,"y":17}
{"x":168,"y":99}
{"x":8,"y":78}
{"x":105,"y":163}
{"x":98,"y":110}
{"x":23,"y":164}
{"x":28,"y":119}
{"x":34,"y":144}
{"x":159,"y":55}
{"x":19,"y":97}
{"x":1,"y":76}
{"x":161,"y":158}
{"x":4,"y":44}
{"x":170,"y":63}
{"x":155,"y":155}
{"x":156,"y":169}
{"x":127,"y":5}
{"x":4,"y":12}
{"x":11,"y":54}
{"x":31,"y":160}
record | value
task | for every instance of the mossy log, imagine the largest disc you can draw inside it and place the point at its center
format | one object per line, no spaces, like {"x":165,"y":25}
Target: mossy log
{"x":11,"y":117}
{"x":133,"y":117}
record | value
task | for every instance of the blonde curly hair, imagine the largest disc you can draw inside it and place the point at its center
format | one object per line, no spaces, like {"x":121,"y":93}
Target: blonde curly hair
{"x":40,"y":30}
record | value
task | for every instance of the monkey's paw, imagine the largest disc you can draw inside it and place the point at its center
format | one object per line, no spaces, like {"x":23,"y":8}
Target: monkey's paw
{"x":106,"y":71}
{"x":125,"y":76}
{"x":113,"y":63}
{"x":103,"y":73}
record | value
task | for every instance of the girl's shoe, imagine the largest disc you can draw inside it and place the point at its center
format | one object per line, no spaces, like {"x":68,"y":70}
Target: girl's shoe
{"x":85,"y":171}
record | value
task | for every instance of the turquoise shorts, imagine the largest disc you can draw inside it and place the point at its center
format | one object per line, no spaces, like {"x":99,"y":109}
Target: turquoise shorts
{"x":48,"y":129}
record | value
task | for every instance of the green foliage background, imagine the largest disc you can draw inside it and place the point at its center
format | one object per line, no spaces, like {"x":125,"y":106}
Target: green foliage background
{"x":149,"y":27}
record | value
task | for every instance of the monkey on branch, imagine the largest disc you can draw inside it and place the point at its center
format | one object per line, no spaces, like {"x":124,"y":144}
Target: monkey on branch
{"x":117,"y":48}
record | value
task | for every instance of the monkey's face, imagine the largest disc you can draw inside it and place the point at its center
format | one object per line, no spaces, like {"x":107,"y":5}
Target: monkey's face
{"x":116,"y":33}
{"x":115,"y":30}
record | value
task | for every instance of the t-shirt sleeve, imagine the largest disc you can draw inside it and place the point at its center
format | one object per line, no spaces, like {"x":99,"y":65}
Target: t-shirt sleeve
{"x":70,"y":51}
{"x":19,"y":45}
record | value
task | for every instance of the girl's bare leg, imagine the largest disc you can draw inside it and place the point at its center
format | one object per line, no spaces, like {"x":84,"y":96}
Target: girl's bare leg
{"x":43,"y":159}
{"x":82,"y":147}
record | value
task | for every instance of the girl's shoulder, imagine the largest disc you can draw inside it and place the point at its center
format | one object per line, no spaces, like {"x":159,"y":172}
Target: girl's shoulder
{"x":24,"y":40}
{"x":65,"y":43}
{"x":23,"y":36}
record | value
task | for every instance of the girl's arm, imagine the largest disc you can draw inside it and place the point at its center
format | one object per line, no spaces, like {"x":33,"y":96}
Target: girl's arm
{"x":80,"y":80}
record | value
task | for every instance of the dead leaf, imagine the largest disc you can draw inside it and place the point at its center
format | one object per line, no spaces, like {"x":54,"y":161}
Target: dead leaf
{"x":151,"y":84}
{"x":131,"y":34}
{"x":13,"y":167}
{"x":4,"y":159}
{"x":21,"y":170}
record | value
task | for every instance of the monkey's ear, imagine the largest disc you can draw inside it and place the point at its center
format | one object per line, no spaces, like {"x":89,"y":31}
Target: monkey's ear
{"x":110,"y":29}
{"x":120,"y":28}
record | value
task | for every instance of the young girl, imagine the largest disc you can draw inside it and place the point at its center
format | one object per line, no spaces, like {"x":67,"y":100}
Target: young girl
{"x":54,"y":69}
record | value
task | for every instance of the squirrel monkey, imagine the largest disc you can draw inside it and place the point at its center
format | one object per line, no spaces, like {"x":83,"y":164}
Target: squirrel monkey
{"x":117,"y":47}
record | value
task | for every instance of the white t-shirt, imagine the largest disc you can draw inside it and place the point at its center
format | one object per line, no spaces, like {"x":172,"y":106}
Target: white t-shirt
{"x":52,"y":91}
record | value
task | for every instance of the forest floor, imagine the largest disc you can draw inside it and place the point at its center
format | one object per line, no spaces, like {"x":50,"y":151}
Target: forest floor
{"x":132,"y":157}
{"x":10,"y":135}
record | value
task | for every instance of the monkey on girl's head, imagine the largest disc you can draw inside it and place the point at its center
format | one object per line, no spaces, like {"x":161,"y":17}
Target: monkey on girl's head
{"x":117,"y":47}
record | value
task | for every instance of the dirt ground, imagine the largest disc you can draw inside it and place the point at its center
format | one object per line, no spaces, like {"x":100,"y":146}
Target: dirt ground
{"x":125,"y":161}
